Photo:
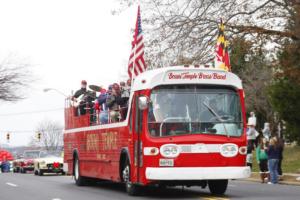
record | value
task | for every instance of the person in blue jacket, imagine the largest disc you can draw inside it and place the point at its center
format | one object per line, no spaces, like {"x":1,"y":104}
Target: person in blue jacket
{"x":101,"y":102}
{"x":273,"y":152}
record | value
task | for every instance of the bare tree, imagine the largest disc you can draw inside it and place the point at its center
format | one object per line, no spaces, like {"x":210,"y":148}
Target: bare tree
{"x":51,"y":137}
{"x":15,"y":76}
{"x":188,"y":28}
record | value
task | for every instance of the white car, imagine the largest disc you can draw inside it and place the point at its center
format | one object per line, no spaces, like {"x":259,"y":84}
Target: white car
{"x":48,"y":163}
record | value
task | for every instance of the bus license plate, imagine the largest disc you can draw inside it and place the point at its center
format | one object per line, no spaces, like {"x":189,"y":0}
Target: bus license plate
{"x":166,"y":162}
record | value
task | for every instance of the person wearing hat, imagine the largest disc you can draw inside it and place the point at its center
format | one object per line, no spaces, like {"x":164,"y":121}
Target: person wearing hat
{"x":102,"y":107}
{"x":113,"y":102}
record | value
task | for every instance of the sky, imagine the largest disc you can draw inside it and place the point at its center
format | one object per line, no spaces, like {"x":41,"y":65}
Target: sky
{"x":64,"y":41}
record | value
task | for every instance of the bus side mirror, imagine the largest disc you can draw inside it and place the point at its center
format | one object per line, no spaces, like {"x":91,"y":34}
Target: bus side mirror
{"x":143,"y":102}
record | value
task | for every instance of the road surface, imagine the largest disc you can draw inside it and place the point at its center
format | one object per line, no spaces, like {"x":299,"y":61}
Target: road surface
{"x":52,"y":187}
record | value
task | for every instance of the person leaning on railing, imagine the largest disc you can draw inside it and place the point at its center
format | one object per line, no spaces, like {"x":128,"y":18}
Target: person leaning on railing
{"x":125,"y":94}
{"x":113,"y":101}
{"x":101,"y":106}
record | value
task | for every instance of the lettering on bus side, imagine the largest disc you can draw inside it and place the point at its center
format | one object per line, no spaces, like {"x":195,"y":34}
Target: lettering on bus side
{"x":92,"y":142}
{"x":109,"y":140}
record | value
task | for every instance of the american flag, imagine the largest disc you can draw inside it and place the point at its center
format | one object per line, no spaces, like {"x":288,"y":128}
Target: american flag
{"x":137,"y":63}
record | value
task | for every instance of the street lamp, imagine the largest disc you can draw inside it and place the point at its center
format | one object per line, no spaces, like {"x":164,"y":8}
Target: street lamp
{"x":48,"y":89}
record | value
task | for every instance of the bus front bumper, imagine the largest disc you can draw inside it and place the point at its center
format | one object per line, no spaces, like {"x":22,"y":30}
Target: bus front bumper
{"x":197,"y":173}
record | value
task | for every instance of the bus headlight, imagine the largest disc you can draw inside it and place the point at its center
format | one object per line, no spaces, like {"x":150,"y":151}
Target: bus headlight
{"x":169,"y":150}
{"x":229,"y":150}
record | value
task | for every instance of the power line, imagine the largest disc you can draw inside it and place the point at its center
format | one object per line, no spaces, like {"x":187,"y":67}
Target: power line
{"x":30,"y":112}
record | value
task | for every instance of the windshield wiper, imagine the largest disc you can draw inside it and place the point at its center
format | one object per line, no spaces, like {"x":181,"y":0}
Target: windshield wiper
{"x":188,"y":117}
{"x":218,"y":116}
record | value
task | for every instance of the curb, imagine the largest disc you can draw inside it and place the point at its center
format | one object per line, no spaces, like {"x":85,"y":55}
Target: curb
{"x":280,"y":182}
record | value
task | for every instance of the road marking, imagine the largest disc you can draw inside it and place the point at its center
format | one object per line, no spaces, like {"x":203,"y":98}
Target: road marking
{"x":214,"y":198}
{"x":11,"y":184}
{"x":56,"y":199}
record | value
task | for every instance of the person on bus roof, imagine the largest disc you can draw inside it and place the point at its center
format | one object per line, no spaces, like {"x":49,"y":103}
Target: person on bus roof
{"x":113,"y":101}
{"x":82,"y":90}
{"x":102,"y":107}
{"x":80,"y":93}
{"x":125,"y":93}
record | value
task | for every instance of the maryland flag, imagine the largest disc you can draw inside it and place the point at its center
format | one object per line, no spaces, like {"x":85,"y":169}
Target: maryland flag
{"x":222,"y":60}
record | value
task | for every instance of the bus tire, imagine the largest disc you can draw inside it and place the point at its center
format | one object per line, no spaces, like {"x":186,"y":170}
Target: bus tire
{"x":131,"y":189}
{"x":79,"y":180}
{"x":217,"y":187}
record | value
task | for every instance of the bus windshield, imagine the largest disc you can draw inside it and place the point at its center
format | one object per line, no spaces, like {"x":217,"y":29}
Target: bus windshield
{"x":194,"y":109}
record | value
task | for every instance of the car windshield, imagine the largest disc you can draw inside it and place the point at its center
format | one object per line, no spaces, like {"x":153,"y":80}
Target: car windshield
{"x":31,"y":154}
{"x":190,"y":109}
{"x":50,"y":154}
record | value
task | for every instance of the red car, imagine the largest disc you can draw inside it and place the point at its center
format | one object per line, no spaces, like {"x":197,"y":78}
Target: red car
{"x":25,"y":163}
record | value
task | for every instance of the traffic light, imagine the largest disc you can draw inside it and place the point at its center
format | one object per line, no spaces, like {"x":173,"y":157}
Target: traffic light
{"x":39,"y":136}
{"x":7,"y":137}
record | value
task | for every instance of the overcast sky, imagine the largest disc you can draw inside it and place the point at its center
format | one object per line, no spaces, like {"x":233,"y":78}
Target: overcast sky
{"x":65,"y":41}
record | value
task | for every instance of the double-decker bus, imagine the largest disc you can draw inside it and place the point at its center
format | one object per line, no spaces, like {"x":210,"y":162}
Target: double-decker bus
{"x":185,"y":125}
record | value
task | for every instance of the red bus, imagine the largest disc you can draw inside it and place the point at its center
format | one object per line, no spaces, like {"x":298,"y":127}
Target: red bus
{"x":185,"y":125}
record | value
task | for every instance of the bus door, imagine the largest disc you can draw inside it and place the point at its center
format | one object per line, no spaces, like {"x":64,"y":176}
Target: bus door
{"x":137,"y":127}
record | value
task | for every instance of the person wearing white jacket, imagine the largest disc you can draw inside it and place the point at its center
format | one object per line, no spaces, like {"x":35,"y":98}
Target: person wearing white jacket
{"x":266,"y":131}
{"x":251,"y":135}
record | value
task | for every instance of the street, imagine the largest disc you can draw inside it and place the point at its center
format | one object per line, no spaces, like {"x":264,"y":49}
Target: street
{"x":52,"y":187}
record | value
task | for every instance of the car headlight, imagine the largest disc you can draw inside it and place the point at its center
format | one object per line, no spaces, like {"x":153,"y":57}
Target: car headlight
{"x":229,"y":150}
{"x":169,"y":150}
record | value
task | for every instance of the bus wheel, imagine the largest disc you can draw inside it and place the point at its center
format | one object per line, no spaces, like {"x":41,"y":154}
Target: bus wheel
{"x":79,"y":180}
{"x":131,"y":189}
{"x":217,"y":186}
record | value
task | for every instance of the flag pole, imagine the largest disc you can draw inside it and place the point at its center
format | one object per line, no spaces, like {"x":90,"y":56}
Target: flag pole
{"x":133,"y":65}
{"x":135,"y":38}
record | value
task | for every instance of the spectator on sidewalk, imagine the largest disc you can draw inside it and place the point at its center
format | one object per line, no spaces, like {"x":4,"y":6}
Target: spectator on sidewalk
{"x":273,"y":153}
{"x":249,"y":158}
{"x":266,"y":131}
{"x":253,"y":120}
{"x":251,"y":135}
{"x":262,"y":159}
{"x":281,"y":149}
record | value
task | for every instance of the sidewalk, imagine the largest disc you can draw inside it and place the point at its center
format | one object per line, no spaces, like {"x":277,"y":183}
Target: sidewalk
{"x":287,"y":178}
